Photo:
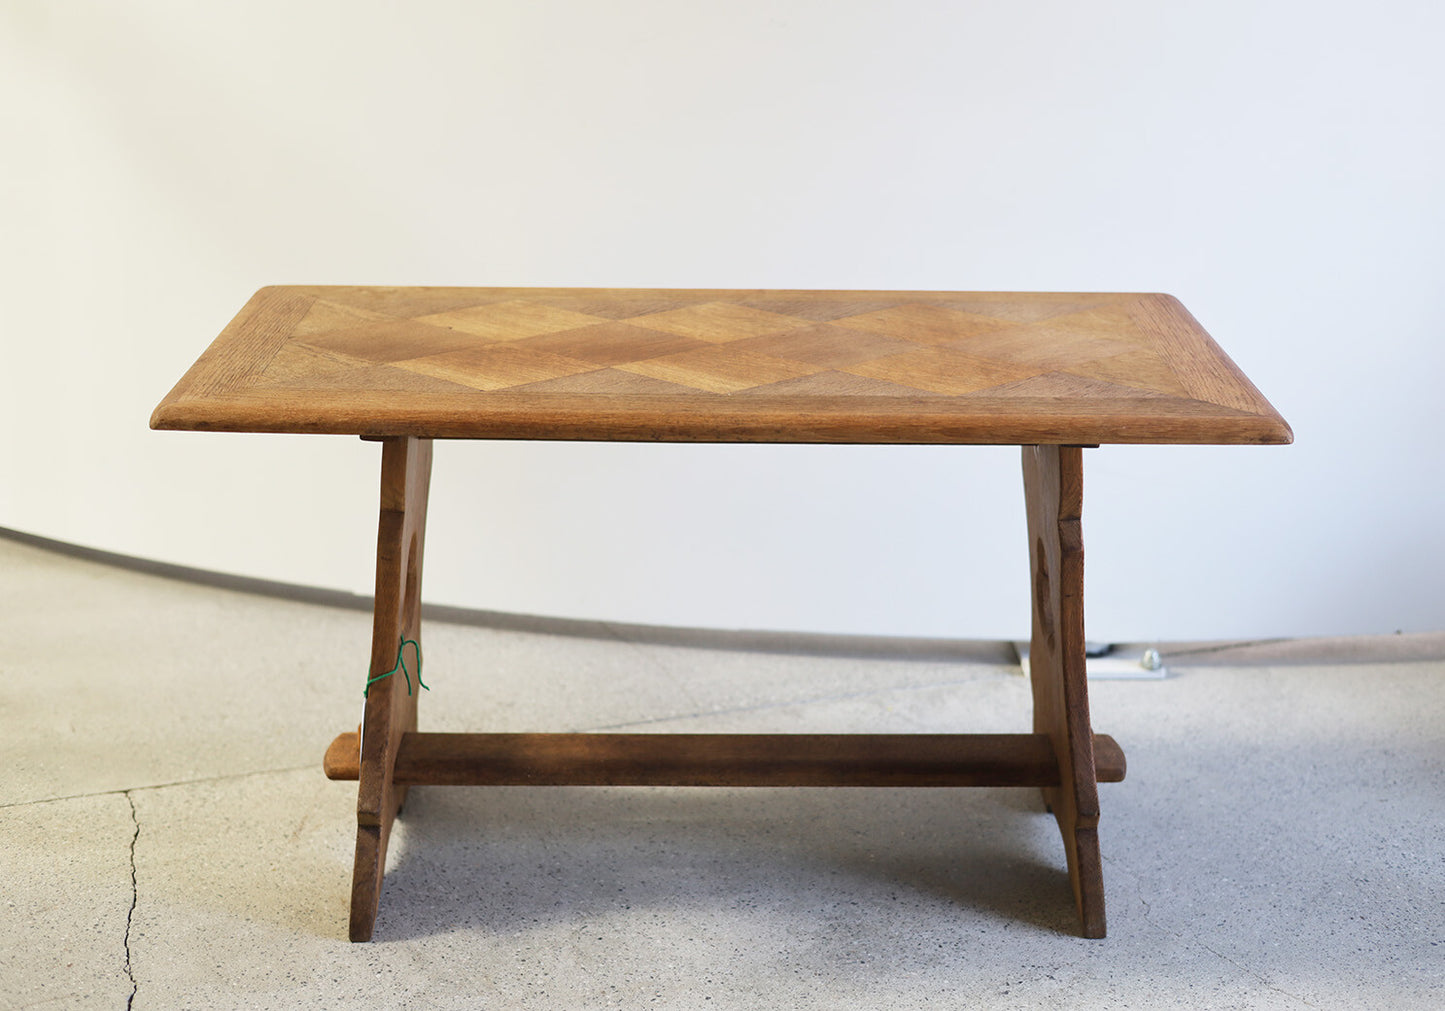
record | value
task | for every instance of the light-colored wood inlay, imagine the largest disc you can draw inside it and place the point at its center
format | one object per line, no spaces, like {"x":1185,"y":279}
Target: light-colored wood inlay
{"x":510,"y":321}
{"x":1145,"y":371}
{"x":302,"y":367}
{"x":817,"y":366}
{"x":614,"y":303}
{"x":612,"y":343}
{"x":1058,"y":343}
{"x":496,"y":366}
{"x":391,"y":340}
{"x":832,"y":385}
{"x":326,"y":316}
{"x":1032,"y":307}
{"x":923,"y":324}
{"x":302,"y":362}
{"x":718,"y":369}
{"x":827,"y":346}
{"x":609,"y":383}
{"x":942,"y":370}
{"x":718,"y":322}
{"x":407,"y":302}
{"x":816,"y":306}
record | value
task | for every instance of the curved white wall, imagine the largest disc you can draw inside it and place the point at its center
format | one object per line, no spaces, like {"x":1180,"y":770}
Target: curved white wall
{"x":1275,"y":165}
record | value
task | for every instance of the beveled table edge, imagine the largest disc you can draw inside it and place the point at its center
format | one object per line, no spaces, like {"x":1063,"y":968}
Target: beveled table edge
{"x":195,"y":405}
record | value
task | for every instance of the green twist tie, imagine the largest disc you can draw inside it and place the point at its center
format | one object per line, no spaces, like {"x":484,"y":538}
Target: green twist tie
{"x":400,"y":666}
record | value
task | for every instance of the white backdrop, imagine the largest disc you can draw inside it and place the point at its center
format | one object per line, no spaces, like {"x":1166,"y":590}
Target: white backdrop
{"x":1277,"y":166}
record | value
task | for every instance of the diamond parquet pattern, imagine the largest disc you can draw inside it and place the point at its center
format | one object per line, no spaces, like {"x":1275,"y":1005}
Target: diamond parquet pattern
{"x":780,"y":358}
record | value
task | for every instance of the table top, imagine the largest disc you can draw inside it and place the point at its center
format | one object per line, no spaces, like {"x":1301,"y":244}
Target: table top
{"x":721,"y":366}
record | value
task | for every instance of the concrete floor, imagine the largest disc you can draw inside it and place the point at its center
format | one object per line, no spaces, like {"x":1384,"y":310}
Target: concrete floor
{"x":167,"y":839}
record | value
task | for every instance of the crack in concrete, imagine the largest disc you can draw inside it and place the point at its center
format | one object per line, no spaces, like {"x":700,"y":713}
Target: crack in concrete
{"x":1187,"y":940}
{"x":159,"y":786}
{"x":134,"y":896}
{"x":848,"y":696}
{"x":1257,"y":975}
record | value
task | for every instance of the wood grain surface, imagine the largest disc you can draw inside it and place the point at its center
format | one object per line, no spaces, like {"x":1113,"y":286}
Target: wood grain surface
{"x":1054,"y":497}
{"x":877,"y":760}
{"x":721,"y":366}
{"x":390,"y":702}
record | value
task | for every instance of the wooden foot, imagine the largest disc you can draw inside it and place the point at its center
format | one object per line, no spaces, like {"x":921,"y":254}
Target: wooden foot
{"x":390,"y":702}
{"x":1053,"y":491}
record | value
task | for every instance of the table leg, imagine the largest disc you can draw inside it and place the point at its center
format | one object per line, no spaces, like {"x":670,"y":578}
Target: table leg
{"x":390,"y":702}
{"x":1053,"y":491}
{"x":1066,"y":768}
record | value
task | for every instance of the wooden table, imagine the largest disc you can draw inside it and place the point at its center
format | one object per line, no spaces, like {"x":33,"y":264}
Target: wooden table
{"x":1053,"y":373}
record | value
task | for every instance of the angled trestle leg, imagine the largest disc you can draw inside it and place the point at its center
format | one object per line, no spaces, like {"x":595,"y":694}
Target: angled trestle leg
{"x":1060,"y":755}
{"x":390,"y":702}
{"x":1053,"y":491}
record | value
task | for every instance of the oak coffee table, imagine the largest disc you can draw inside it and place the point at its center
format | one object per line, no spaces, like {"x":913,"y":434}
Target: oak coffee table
{"x":1053,"y":373}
